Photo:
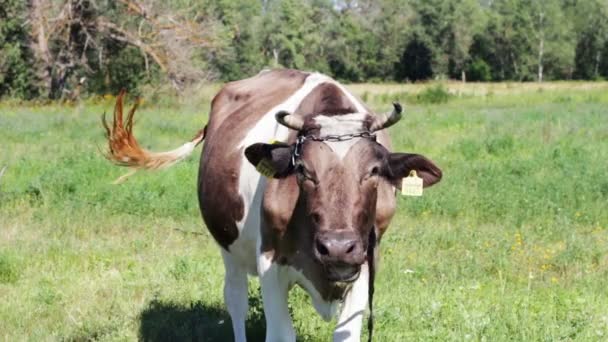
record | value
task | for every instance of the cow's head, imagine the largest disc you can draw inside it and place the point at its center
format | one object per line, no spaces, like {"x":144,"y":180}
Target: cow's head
{"x":339,"y":166}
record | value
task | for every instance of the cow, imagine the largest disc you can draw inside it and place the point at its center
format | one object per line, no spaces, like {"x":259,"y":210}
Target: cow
{"x":297,"y":186}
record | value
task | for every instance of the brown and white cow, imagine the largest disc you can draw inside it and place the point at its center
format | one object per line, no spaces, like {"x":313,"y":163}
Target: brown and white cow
{"x":316,"y":220}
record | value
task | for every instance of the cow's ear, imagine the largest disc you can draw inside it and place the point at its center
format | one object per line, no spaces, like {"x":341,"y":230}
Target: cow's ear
{"x":400,"y":165}
{"x":271,"y":160}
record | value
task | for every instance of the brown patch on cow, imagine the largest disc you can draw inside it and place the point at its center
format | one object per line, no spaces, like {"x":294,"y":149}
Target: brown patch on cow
{"x":386,"y":203}
{"x":278,"y":213}
{"x":244,"y":102}
{"x":326,"y":99}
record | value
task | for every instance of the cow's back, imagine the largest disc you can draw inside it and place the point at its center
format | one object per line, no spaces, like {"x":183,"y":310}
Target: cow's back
{"x":235,"y":111}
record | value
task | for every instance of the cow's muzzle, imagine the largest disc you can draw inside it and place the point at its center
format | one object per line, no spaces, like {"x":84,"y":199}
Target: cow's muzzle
{"x":341,"y":253}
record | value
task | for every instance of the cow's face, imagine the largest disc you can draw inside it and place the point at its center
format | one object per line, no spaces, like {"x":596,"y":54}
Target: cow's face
{"x":339,"y":194}
{"x":338,"y":183}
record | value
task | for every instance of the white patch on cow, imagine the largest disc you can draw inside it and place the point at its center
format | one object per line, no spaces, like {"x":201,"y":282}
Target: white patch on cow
{"x":180,"y":152}
{"x":275,"y":283}
{"x":351,"y":314}
{"x":235,"y":295}
{"x":264,"y":260}
{"x":327,"y":310}
{"x":339,"y":125}
{"x":245,"y":247}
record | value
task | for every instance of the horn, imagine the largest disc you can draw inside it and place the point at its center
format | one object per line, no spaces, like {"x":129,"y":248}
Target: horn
{"x":289,"y":120}
{"x":383,"y":121}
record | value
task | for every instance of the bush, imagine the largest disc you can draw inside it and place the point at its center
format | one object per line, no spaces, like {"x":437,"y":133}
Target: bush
{"x":479,"y":71}
{"x":416,"y":62}
{"x":434,"y":94}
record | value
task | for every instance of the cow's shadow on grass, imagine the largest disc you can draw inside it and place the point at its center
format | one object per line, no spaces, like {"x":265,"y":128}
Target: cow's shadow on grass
{"x":168,"y":321}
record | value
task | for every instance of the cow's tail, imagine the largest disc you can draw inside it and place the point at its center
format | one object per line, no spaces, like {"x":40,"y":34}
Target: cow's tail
{"x":124,"y":150}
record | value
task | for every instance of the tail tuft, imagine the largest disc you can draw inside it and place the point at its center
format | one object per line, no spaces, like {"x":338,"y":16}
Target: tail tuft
{"x":124,"y":150}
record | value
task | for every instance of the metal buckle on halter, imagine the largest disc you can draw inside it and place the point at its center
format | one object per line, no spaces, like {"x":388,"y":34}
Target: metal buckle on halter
{"x":297,"y":151}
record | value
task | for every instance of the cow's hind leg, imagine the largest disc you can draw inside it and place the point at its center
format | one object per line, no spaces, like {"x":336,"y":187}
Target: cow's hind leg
{"x":235,"y":295}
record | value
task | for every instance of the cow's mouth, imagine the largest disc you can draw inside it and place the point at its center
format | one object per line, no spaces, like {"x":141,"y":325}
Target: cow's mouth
{"x":343,"y":274}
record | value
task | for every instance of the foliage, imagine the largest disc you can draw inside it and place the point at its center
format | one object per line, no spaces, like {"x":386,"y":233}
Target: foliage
{"x":433,"y":95}
{"x":131,"y":43}
{"x":16,"y":77}
{"x":591,"y":20}
{"x":479,"y":70}
{"x":416,"y":62}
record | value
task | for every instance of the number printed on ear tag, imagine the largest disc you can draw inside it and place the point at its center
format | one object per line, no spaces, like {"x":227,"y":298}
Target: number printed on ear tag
{"x":265,"y":168}
{"x":411,"y":185}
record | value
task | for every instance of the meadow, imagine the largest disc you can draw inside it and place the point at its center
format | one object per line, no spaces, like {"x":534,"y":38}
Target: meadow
{"x":512,"y":245}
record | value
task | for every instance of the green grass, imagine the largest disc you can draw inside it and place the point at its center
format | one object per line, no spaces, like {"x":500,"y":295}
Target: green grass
{"x":511,"y":245}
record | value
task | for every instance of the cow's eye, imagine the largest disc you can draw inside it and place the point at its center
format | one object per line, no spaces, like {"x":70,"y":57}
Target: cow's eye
{"x":305,"y":174}
{"x":315,"y":218}
{"x":371,"y":174}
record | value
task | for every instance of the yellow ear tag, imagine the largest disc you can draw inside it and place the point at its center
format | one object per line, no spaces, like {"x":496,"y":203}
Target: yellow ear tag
{"x":273,"y":141}
{"x":411,"y":185}
{"x":265,"y":168}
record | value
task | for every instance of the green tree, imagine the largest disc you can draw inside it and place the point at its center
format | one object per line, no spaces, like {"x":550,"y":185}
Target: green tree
{"x":591,"y":23}
{"x":242,"y":55}
{"x":416,"y":62}
{"x":345,"y":40}
{"x":446,"y":29}
{"x":16,"y":76}
{"x":553,"y":38}
{"x":459,"y":33}
{"x":290,"y":36}
{"x":506,"y":43}
{"x":363,"y":41}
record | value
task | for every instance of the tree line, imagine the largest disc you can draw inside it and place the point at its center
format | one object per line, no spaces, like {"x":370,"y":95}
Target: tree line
{"x":60,"y":48}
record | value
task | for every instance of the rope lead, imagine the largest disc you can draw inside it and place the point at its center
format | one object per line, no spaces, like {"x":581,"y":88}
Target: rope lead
{"x":372,"y":274}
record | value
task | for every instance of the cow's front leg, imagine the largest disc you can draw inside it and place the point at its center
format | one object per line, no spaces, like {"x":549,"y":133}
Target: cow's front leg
{"x":274,"y":281}
{"x":235,"y":295}
{"x":351,"y":315}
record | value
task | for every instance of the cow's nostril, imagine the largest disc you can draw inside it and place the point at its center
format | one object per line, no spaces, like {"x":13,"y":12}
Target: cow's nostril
{"x":350,"y":248}
{"x":321,"y":248}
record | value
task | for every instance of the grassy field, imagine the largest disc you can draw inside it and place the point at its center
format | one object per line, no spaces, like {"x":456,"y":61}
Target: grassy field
{"x":512,"y":245}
